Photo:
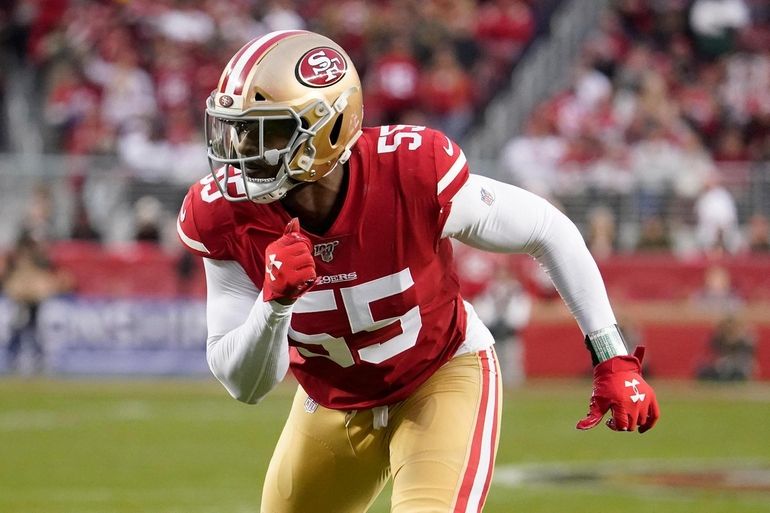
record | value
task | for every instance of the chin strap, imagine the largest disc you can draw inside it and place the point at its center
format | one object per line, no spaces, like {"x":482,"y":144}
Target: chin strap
{"x":348,"y":148}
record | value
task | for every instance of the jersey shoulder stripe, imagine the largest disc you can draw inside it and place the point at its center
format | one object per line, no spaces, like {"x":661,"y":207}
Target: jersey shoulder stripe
{"x":451,"y":168}
{"x":203,"y":221}
{"x":189,"y":241}
{"x":448,"y":177}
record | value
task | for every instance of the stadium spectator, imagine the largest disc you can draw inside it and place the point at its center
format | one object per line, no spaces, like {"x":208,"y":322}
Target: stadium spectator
{"x":82,"y":225}
{"x":609,"y":177}
{"x":655,"y":161}
{"x":128,"y":92}
{"x":282,"y":15}
{"x":503,"y":27}
{"x":654,"y":235}
{"x":602,"y":232}
{"x":733,"y":353}
{"x":475,"y":268}
{"x":579,"y":111}
{"x":454,"y":23}
{"x":182,"y":21}
{"x":715,"y":23}
{"x":730,"y":147}
{"x":148,"y":220}
{"x":169,"y":152}
{"x":91,"y":135}
{"x":28,"y":280}
{"x":173,"y":73}
{"x":38,"y":223}
{"x":70,"y":99}
{"x":758,"y":234}
{"x":393,"y":82}
{"x":717,"y":293}
{"x":235,"y":22}
{"x":717,"y":219}
{"x":531,"y":160}
{"x":446,"y":93}
{"x":505,"y":307}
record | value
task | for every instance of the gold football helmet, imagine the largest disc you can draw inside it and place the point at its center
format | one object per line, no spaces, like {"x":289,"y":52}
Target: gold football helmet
{"x":287,"y":110}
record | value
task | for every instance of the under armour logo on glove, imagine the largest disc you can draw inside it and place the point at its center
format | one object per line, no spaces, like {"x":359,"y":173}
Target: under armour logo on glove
{"x":612,"y":379}
{"x":289,"y":265}
{"x":637,"y":395}
{"x":271,"y":263}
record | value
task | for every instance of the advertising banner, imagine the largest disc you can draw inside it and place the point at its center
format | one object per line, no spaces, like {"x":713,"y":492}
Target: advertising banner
{"x":87,"y":336}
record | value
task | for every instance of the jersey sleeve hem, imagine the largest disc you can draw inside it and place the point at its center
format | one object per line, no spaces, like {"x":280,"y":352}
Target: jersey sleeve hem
{"x":196,"y":231}
{"x":191,"y":244}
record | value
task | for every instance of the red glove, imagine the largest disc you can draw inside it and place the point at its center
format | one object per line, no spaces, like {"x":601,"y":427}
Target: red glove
{"x":619,"y":386}
{"x":289,"y":265}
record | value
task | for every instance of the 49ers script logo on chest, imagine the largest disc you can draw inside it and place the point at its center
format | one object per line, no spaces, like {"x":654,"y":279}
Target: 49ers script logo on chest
{"x":321,"y":67}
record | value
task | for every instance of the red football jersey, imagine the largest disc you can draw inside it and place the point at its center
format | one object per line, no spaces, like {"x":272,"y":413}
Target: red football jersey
{"x":385,"y":311}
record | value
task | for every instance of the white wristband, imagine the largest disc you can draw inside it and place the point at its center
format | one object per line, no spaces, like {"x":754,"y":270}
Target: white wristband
{"x":606,"y":343}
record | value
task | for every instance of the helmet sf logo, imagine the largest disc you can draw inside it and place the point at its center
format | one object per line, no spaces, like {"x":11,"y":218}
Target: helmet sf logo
{"x":321,"y":67}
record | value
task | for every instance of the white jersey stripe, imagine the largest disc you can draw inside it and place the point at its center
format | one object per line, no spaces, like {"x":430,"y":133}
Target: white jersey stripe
{"x":487,"y":439}
{"x":244,"y":58}
{"x":192,"y":243}
{"x":452,"y":173}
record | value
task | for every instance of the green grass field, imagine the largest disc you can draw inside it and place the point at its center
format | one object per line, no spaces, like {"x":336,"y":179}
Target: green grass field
{"x":103,"y":446}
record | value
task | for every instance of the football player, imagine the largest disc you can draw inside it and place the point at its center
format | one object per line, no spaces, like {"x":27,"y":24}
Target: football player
{"x":326,"y":249}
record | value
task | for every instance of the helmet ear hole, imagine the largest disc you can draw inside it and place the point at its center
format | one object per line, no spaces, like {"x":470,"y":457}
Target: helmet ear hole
{"x":259,"y":98}
{"x":334,"y":135}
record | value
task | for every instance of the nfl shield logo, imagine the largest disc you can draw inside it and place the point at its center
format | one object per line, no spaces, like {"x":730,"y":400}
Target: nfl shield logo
{"x":487,"y":197}
{"x":310,"y":405}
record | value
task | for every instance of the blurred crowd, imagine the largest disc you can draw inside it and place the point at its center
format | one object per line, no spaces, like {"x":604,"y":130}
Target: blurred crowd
{"x":129,"y":77}
{"x":668,"y":113}
{"x":127,"y":80}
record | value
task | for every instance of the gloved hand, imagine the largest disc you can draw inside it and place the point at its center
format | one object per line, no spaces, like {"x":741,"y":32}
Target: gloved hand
{"x":619,"y":386}
{"x":289,"y":266}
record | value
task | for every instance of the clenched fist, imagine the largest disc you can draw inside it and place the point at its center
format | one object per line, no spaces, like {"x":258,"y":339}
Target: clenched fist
{"x":289,"y":266}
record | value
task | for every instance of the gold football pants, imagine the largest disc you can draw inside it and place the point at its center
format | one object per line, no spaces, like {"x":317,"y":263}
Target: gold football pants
{"x":439,"y":446}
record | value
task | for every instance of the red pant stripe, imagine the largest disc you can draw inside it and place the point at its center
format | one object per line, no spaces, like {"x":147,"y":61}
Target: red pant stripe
{"x":479,"y":468}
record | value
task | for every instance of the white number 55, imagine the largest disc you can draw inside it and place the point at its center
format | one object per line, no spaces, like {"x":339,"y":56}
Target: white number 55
{"x":399,"y":133}
{"x":356,"y":302}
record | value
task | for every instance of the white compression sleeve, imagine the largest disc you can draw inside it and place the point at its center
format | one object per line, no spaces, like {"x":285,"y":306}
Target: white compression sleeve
{"x":522,"y":222}
{"x":247,"y":347}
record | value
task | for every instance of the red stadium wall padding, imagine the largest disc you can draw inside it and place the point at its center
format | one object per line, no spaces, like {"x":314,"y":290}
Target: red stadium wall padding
{"x":641,"y":277}
{"x":131,"y":270}
{"x":673,"y":350}
{"x":630,"y":277}
{"x":143,"y":269}
{"x":555,"y":350}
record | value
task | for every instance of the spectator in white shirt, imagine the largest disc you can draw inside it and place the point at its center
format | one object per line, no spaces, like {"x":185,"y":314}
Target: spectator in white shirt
{"x":717,"y":218}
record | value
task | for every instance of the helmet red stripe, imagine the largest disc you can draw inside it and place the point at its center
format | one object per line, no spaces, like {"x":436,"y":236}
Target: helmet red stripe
{"x":263,"y":48}
{"x":234,"y":60}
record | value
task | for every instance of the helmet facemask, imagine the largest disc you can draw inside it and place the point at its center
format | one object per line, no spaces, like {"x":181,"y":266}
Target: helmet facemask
{"x":267,"y":147}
